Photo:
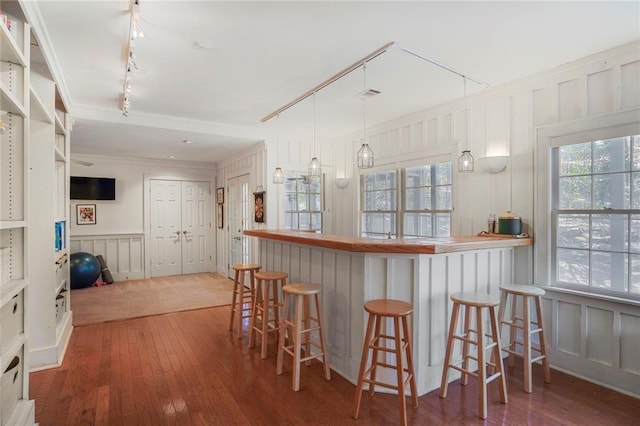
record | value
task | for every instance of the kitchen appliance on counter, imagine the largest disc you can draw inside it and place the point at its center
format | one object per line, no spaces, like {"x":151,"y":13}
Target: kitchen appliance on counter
{"x":508,"y":224}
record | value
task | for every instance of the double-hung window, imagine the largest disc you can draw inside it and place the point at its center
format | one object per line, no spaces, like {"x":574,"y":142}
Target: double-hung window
{"x":596,"y":216}
{"x":303,"y":202}
{"x":417,"y":205}
{"x":379,"y":204}
{"x":427,"y":201}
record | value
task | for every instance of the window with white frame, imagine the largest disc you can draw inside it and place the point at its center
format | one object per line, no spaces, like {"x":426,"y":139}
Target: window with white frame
{"x":425,"y":208}
{"x":427,"y":201}
{"x":596,"y":216}
{"x":379,"y":195}
{"x":303,"y":202}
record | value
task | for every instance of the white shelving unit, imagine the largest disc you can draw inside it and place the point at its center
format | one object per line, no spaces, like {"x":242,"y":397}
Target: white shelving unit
{"x":49,"y":221}
{"x":15,"y":406}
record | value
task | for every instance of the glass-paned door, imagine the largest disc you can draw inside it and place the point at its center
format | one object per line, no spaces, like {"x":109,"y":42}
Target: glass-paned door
{"x":239,"y":212}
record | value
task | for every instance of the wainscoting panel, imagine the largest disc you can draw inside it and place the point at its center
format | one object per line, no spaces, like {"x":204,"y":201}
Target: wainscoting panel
{"x":124,"y":253}
{"x":593,"y":338}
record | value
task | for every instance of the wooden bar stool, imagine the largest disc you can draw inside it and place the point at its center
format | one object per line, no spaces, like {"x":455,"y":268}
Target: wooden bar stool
{"x":300,"y":293}
{"x":265,"y":317}
{"x":477,"y":302}
{"x":380,"y":310}
{"x":242,"y":301}
{"x":524,"y":323}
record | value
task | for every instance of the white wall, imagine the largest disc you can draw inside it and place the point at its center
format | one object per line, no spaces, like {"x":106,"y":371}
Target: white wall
{"x":125,"y":215}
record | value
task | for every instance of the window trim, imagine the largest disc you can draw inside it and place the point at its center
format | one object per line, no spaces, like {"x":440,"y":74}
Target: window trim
{"x":547,"y":138}
{"x":298,"y":176}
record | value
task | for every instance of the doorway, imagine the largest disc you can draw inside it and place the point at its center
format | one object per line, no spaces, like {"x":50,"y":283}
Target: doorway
{"x":180,"y":222}
{"x":239,"y":220}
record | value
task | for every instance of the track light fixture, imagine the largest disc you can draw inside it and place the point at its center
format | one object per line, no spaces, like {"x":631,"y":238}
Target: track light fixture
{"x":135,"y":32}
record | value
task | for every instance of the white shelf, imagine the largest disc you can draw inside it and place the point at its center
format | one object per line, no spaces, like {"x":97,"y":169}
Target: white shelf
{"x":12,"y":351}
{"x":60,"y":255}
{"x":61,"y":286}
{"x":60,"y":126}
{"x":38,"y":109}
{"x":12,"y":224}
{"x":60,"y":156}
{"x":9,"y":102}
{"x":9,"y":49}
{"x":10,"y":289}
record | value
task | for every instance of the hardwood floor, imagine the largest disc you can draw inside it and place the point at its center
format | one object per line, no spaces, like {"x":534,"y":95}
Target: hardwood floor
{"x":186,"y":368}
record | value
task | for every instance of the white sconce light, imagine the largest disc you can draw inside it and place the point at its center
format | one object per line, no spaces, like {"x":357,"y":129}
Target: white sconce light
{"x":342,"y":183}
{"x":493,"y":164}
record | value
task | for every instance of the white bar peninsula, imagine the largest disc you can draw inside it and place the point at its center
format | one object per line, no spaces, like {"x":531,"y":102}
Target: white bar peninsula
{"x":353,"y":270}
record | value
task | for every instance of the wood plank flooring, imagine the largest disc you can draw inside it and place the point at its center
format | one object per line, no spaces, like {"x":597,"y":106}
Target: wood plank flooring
{"x":186,"y":368}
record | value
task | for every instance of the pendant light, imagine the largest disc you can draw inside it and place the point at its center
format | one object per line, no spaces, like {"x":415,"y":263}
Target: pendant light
{"x":278,"y":175}
{"x":365,"y":153}
{"x":465,"y":161}
{"x":315,"y":168}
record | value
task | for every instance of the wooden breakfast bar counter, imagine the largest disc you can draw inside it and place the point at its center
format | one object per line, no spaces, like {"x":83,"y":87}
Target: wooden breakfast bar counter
{"x":423,"y":272}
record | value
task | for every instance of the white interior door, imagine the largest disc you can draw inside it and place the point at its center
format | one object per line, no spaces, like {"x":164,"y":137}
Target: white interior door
{"x":196,"y":227}
{"x":239,"y":212}
{"x":180,"y":227}
{"x":166,"y":224}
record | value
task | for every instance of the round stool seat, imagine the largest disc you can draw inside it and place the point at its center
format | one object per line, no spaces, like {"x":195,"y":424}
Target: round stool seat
{"x":271,"y":275}
{"x":302,"y":288}
{"x":524,"y":290}
{"x":388,"y":307}
{"x":246,"y":266}
{"x":480,"y":300}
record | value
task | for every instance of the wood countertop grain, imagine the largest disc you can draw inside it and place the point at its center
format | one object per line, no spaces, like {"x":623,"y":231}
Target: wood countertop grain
{"x":406,"y":246}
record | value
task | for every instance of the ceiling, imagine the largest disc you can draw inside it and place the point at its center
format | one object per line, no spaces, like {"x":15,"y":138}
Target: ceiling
{"x":209,"y":71}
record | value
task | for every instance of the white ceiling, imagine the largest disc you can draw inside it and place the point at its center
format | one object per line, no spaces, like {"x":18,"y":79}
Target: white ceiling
{"x":258,"y":56}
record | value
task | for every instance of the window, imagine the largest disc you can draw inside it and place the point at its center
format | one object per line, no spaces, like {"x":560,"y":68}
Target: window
{"x":379,"y":203}
{"x":303,"y":202}
{"x":426,"y":207}
{"x":427,"y":201}
{"x":596,"y":216}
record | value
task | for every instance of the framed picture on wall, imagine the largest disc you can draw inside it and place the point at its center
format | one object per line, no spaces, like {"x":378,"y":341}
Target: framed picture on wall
{"x":220,"y":195}
{"x":220,"y":216}
{"x":258,"y":206}
{"x":86,"y":214}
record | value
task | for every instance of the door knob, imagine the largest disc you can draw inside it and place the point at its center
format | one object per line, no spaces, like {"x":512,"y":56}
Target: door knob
{"x":177,"y":232}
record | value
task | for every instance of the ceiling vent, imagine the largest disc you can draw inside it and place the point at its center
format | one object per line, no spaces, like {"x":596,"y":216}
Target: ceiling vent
{"x":368,"y":93}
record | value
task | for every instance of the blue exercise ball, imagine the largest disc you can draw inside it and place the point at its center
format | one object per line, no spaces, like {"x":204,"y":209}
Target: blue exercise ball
{"x":85,"y":270}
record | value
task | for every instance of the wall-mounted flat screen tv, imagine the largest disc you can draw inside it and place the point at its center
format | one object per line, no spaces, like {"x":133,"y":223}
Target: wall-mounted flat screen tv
{"x":92,"y":188}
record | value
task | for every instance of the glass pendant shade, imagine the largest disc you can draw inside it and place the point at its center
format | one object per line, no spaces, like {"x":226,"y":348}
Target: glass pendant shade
{"x":365,"y":157}
{"x":315,"y":168}
{"x":465,"y":162}
{"x":278,"y":175}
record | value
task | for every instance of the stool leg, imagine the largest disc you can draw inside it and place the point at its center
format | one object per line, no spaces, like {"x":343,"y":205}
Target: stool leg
{"x":297,"y":342}
{"x":409,"y":355}
{"x":464,"y":379}
{"x":363,"y":366}
{"x":307,"y":325}
{"x":281,"y":335}
{"x":482,"y":369}
{"x":447,"y":358}
{"x":374,"y":356}
{"x":497,"y":355}
{"x":323,"y":342}
{"x":234,"y":298}
{"x":399,"y":371}
{"x":526,"y":336}
{"x":240,"y":307}
{"x":513,"y":329}
{"x":254,"y":314}
{"x":265,"y":315}
{"x":543,"y":343}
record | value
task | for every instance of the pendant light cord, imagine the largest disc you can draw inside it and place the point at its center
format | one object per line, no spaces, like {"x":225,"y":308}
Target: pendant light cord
{"x":314,"y":124}
{"x":364,"y":102}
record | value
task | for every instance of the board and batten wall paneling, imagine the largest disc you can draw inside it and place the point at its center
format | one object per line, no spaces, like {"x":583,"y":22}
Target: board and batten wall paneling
{"x":123,"y":253}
